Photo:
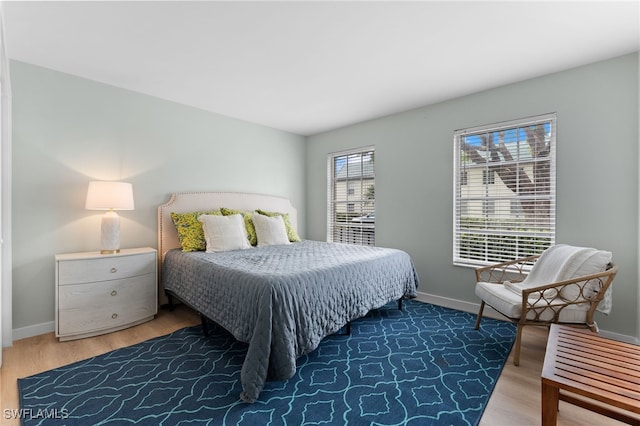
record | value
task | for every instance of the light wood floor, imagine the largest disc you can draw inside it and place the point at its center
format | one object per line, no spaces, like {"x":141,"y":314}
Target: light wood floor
{"x":515,"y":400}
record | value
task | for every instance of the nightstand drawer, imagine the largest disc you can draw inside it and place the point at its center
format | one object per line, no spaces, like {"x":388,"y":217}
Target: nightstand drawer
{"x":80,"y":320}
{"x":108,"y":268}
{"x":106,"y":292}
{"x":88,"y":307}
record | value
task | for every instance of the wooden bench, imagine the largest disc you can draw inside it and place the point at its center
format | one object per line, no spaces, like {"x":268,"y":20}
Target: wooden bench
{"x":580,"y":366}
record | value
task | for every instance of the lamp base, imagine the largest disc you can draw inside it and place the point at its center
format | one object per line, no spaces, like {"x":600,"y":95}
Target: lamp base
{"x":110,"y":251}
{"x":110,"y":233}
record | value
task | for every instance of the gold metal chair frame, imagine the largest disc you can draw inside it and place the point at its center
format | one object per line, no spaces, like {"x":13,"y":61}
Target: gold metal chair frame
{"x":537,"y":300}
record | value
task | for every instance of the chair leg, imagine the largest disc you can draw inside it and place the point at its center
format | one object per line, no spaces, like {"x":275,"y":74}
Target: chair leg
{"x":479,"y":315}
{"x":516,"y":354}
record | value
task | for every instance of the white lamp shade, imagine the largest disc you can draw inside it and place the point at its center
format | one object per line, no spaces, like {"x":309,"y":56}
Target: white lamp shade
{"x":109,"y":196}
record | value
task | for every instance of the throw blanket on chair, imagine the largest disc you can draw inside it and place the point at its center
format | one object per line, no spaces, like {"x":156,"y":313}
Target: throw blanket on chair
{"x":562,"y":262}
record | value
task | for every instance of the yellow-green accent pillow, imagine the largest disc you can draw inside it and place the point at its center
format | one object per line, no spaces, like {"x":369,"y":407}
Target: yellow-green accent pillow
{"x":248,"y":223}
{"x":190,"y":232}
{"x":291,"y":231}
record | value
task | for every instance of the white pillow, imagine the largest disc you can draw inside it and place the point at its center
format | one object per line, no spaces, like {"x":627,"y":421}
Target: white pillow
{"x":587,"y":261}
{"x":270,"y":230}
{"x":223,"y":233}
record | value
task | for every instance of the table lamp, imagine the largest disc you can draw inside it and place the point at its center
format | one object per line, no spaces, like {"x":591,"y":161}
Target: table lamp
{"x":109,"y":196}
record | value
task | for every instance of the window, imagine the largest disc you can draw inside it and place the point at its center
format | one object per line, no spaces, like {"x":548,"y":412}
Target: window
{"x":351,"y":197}
{"x":463,"y":177}
{"x":488,"y":208}
{"x":504,"y":190}
{"x":488,"y":177}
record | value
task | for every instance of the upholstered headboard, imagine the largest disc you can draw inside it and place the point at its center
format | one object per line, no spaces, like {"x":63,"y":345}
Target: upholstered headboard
{"x":184,"y":202}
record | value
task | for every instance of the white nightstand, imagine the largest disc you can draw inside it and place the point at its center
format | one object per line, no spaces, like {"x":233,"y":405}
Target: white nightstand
{"x":100,"y":293}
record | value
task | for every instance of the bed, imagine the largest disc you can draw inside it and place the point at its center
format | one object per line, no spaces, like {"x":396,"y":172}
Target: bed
{"x":282,"y":299}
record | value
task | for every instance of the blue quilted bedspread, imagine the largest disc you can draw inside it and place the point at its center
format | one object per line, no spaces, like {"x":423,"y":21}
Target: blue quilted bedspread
{"x":283,"y":300}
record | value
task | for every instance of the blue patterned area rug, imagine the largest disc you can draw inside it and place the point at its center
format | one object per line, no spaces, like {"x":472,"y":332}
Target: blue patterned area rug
{"x":424,"y":365}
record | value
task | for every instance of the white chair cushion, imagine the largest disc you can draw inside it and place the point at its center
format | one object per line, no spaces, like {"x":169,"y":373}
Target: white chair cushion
{"x":562,"y":262}
{"x":509,"y":303}
{"x":586,"y":261}
{"x":517,"y":288}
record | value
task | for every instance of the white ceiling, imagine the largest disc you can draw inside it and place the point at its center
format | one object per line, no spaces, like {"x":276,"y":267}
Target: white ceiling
{"x":307,"y":67}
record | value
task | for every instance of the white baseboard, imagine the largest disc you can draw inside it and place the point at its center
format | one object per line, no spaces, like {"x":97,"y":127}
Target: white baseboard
{"x":619,"y":337}
{"x":489,"y":312}
{"x":33,"y":330}
{"x":461,"y":305}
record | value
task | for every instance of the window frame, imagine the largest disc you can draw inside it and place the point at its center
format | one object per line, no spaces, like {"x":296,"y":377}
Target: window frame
{"x":503,"y":237}
{"x":355,"y":202}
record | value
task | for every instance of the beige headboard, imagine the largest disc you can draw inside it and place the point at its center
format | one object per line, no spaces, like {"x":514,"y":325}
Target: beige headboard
{"x":184,"y":202}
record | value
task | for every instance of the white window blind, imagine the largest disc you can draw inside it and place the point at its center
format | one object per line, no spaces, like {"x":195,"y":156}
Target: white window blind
{"x":351,"y":197}
{"x":504,"y":190}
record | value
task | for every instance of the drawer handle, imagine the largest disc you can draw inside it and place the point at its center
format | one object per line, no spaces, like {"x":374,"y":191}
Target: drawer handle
{"x":114,"y":316}
{"x":113,"y":293}
{"x":114,"y":270}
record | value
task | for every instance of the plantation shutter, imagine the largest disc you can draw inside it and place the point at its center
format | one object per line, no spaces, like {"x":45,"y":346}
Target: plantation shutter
{"x":351,"y":197}
{"x":504,"y":190}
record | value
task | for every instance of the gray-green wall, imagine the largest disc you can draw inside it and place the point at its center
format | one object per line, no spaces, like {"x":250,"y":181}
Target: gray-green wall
{"x":597,"y":175}
{"x":68,"y":131}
